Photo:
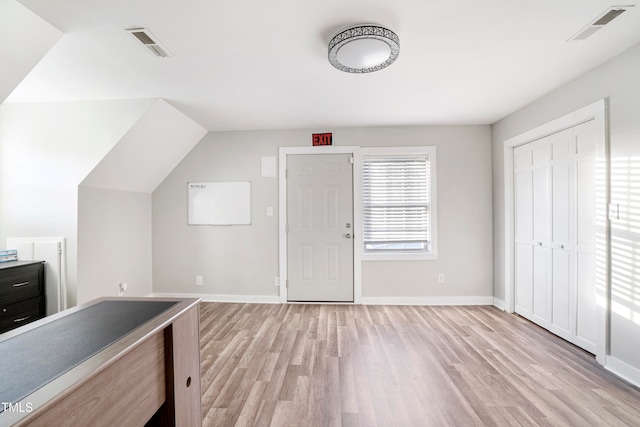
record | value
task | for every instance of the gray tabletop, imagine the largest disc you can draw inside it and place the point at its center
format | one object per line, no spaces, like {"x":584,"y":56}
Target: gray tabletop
{"x":32,"y":359}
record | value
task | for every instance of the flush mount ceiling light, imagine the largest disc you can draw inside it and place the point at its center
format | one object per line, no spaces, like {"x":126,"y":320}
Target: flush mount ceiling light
{"x":364,"y":49}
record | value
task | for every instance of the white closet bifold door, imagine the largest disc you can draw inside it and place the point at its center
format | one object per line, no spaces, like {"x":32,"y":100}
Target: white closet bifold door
{"x":554,"y":233}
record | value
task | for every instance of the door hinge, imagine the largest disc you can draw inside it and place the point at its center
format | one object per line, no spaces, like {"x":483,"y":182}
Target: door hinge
{"x":286,"y":283}
{"x":351,"y":159}
{"x":286,"y":228}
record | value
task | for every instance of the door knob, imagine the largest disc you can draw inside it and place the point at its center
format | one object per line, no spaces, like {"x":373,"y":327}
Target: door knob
{"x":348,"y":236}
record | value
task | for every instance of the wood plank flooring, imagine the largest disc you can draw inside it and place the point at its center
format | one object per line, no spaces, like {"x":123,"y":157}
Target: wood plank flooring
{"x":351,"y":365}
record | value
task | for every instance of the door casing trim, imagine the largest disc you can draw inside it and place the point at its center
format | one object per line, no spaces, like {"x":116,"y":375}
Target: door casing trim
{"x":597,"y":111}
{"x":282,"y":212}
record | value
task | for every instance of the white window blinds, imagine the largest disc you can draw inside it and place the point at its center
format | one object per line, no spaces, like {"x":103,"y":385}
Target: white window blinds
{"x":396,"y":203}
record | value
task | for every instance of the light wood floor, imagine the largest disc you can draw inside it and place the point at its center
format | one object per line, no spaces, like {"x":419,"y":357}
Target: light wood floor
{"x":349,"y":365}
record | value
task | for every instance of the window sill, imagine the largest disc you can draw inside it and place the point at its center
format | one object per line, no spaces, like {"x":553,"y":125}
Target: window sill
{"x":399,"y":257}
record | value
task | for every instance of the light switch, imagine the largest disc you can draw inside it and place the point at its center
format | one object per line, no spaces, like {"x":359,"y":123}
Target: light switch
{"x":614,"y":211}
{"x":269,"y":210}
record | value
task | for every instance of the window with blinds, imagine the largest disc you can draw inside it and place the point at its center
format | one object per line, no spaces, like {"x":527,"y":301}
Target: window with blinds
{"x":397,"y":203}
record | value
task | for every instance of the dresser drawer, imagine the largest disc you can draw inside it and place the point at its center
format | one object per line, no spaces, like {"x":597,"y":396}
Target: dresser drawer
{"x":21,"y":283}
{"x":19,"y":313}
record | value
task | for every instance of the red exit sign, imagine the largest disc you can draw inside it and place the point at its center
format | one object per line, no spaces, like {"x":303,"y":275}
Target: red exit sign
{"x":322,"y":138}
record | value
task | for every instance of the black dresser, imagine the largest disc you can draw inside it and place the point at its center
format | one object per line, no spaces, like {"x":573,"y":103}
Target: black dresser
{"x":21,"y":293}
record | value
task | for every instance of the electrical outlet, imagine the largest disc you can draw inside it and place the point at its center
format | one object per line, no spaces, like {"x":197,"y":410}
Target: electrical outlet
{"x":122,"y":288}
{"x":441,"y":278}
{"x":199,"y":280}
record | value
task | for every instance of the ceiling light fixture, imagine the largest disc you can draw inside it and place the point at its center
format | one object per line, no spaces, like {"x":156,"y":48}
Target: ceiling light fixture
{"x":364,"y":49}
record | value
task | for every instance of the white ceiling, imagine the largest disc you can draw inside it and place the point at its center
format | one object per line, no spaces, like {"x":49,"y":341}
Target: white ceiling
{"x":255,"y":64}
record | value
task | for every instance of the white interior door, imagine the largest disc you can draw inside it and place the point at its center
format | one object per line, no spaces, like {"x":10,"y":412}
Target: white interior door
{"x":561,"y":145}
{"x":320,"y":227}
{"x":523,"y":231}
{"x":541,"y":313}
{"x":554,"y":186}
{"x":584,"y":236}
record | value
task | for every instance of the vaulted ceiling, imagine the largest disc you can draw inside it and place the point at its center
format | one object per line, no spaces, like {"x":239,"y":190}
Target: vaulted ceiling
{"x":254,"y":64}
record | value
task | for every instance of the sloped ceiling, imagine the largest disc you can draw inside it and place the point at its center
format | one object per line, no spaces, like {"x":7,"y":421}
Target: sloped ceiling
{"x":24,"y":39}
{"x":148,"y":152}
{"x":263,"y":65}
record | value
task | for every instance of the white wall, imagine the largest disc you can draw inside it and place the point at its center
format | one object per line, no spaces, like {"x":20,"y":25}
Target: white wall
{"x":243,"y":260}
{"x":24,"y":40}
{"x":114,"y":242}
{"x":619,"y":81}
{"x":114,"y":202}
{"x":148,"y":151}
{"x":46,"y":150}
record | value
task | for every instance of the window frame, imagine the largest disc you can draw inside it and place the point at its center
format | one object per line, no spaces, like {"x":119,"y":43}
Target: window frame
{"x":430,"y":152}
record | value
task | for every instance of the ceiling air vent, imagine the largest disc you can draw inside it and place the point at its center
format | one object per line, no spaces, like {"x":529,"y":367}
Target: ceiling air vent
{"x":600,"y":21}
{"x":144,"y":36}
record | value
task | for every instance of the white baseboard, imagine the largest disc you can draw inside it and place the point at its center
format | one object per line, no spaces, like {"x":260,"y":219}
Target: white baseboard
{"x":258,"y":299}
{"x":427,"y":300}
{"x":268,"y":299}
{"x":498,"y":303}
{"x":623,"y":370}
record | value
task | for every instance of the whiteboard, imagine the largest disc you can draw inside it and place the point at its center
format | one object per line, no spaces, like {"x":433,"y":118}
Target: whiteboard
{"x":219,"y":203}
